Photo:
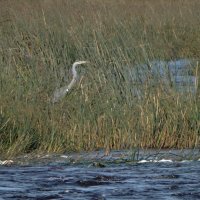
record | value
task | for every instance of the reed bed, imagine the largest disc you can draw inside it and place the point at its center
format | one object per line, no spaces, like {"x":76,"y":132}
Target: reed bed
{"x":39,"y":41}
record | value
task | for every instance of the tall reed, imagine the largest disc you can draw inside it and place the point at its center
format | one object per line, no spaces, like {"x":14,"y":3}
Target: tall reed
{"x":39,"y":40}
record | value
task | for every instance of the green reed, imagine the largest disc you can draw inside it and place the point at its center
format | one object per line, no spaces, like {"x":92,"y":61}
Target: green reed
{"x":40,"y":41}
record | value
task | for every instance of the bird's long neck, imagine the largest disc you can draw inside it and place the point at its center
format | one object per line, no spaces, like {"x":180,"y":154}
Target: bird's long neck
{"x":75,"y":76}
{"x":74,"y":72}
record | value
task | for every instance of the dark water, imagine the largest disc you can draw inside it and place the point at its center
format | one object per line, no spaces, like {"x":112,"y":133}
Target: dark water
{"x":155,"y":175}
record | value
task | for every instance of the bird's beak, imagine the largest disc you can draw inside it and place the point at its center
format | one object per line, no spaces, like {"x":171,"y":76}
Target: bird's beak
{"x":82,"y":62}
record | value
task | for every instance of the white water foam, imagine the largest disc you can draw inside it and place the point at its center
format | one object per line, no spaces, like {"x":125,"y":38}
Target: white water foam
{"x":156,"y":161}
{"x":6,"y":162}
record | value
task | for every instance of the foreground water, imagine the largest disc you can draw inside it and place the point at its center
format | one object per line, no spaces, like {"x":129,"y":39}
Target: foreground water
{"x":153,"y":175}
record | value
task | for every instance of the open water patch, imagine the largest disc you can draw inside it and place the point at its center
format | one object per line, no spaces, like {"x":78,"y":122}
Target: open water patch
{"x":178,"y":76}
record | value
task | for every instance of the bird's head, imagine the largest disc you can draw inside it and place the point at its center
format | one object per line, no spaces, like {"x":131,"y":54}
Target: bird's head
{"x":74,"y":67}
{"x":80,"y":62}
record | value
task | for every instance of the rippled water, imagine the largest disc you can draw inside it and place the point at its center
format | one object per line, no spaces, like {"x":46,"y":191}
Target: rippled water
{"x":155,"y":175}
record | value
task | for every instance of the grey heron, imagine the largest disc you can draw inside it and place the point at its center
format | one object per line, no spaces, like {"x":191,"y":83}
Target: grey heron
{"x":61,"y":92}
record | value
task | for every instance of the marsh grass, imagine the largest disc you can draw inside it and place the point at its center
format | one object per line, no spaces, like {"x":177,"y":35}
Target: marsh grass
{"x":39,"y":40}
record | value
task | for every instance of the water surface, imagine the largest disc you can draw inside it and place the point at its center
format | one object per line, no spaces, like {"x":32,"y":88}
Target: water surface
{"x":155,"y":175}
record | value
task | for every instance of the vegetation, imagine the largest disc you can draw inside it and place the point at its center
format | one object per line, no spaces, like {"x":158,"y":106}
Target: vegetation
{"x":39,"y":41}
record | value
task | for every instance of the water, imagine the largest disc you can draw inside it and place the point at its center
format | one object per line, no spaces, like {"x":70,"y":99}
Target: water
{"x":178,"y":75}
{"x":155,"y":175}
